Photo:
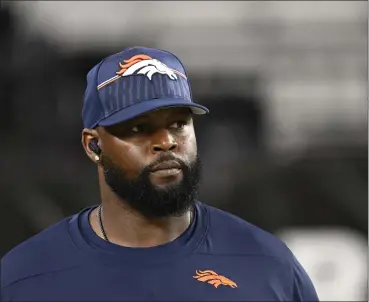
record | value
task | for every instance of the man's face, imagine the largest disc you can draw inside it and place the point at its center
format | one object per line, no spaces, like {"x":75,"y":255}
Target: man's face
{"x":151,"y":162}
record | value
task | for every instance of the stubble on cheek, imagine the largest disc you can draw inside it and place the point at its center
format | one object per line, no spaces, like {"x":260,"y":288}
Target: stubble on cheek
{"x":131,"y":159}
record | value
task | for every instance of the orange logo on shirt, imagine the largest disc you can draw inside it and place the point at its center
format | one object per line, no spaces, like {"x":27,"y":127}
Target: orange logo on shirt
{"x":214,"y":279}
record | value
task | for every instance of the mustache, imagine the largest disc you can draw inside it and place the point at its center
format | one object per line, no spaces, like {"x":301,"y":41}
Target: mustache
{"x":164,"y":158}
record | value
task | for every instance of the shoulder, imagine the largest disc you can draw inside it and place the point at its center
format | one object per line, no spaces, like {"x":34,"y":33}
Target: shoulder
{"x":231,"y":235}
{"x":42,"y":253}
{"x":236,"y":236}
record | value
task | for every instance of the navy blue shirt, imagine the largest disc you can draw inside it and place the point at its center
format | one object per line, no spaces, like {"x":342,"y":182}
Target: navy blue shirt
{"x":220,"y":257}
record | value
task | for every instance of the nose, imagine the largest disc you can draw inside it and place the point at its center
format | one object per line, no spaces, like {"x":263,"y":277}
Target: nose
{"x":163,"y":141}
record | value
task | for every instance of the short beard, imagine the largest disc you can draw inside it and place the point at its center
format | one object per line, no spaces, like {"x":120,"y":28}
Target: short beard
{"x":150,"y":201}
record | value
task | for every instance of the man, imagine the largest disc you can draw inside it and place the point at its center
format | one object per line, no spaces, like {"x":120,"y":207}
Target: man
{"x":150,"y":239}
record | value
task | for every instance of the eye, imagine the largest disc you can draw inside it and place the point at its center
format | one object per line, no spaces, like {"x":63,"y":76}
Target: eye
{"x":179,"y":125}
{"x":138,"y":128}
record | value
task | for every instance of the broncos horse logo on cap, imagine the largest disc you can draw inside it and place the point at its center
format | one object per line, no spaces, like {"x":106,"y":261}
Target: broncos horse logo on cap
{"x":145,"y":65}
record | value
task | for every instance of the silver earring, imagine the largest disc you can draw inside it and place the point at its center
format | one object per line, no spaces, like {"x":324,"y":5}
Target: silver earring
{"x":97,"y":158}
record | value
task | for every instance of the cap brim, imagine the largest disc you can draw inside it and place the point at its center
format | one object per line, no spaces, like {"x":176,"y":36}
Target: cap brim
{"x":147,"y":106}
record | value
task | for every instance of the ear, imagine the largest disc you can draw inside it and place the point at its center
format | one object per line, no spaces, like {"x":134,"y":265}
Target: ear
{"x":87,"y":136}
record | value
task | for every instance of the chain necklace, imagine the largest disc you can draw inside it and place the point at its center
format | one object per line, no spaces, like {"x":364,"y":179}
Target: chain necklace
{"x":98,"y":214}
{"x":101,"y":223}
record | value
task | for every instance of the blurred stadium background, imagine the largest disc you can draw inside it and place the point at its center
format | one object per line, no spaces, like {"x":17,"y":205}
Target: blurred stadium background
{"x":285,"y":146}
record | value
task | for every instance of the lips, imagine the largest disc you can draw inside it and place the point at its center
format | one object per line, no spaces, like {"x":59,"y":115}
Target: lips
{"x":166,"y":166}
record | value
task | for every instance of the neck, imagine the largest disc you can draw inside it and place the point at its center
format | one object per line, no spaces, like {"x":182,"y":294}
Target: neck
{"x":126,"y":227}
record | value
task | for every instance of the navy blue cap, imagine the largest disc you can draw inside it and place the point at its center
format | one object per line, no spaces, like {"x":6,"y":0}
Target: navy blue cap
{"x":133,"y":82}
